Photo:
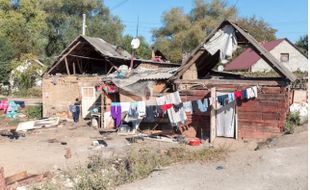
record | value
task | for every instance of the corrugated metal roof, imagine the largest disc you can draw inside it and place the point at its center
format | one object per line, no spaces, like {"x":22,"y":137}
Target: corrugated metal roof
{"x":249,"y":57}
{"x":106,"y":48}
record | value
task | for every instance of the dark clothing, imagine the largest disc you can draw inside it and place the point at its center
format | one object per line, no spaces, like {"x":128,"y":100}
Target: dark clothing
{"x":75,"y":109}
{"x":177,"y":107}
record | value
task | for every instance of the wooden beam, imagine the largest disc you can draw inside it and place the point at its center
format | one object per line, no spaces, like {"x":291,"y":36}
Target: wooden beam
{"x":213,"y":115}
{"x":79,"y":66}
{"x":16,"y":177}
{"x":67,"y":66}
{"x":74,"y":71}
{"x":63,"y":57}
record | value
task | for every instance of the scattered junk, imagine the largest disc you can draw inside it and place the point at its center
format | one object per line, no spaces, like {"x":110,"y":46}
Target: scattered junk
{"x":20,"y":180}
{"x":37,"y":124}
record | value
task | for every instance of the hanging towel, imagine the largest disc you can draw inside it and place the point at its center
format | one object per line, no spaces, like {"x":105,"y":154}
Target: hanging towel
{"x":151,"y":113}
{"x":133,"y":112}
{"x":244,"y":95}
{"x":177,"y":107}
{"x":252,"y":92}
{"x":141,"y":108}
{"x":125,"y":106}
{"x":238,"y":94}
{"x":223,"y":99}
{"x":188,"y":107}
{"x":165,"y":107}
{"x":202,"y":106}
{"x":179,"y":116}
{"x":116,"y":113}
{"x":161,"y":100}
{"x":231,"y":97}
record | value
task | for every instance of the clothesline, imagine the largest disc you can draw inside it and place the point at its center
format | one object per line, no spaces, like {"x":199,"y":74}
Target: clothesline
{"x":164,"y":104}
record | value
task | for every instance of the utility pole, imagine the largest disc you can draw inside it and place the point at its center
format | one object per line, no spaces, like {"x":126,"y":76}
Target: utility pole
{"x":84,"y":24}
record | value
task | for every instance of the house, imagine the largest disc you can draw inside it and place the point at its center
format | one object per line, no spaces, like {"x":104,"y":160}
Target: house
{"x":81,"y":67}
{"x":197,"y":78}
{"x":283,"y":50}
{"x":31,"y":66}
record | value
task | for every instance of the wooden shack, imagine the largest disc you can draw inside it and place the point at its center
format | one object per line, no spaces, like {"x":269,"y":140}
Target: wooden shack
{"x":261,"y":117}
{"x":80,"y":68}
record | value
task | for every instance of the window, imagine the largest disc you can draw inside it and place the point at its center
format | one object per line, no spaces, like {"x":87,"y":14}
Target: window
{"x":285,"y":57}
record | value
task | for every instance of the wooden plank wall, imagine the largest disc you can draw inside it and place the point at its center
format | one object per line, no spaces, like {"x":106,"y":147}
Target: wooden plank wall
{"x":258,"y":118}
{"x":264,"y":116}
{"x":200,"y":121}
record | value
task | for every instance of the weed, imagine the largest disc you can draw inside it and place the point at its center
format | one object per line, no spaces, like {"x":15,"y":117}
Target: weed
{"x":292,"y":120}
{"x":101,"y":174}
{"x":33,"y":112}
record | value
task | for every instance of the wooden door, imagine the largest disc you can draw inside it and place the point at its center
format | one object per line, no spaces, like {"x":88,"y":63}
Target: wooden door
{"x":88,"y":100}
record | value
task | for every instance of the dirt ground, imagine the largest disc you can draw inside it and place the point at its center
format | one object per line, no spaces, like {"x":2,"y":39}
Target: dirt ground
{"x":282,"y":164}
{"x":42,"y":149}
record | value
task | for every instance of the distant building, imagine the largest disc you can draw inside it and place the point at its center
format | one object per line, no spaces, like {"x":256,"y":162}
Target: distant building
{"x":283,"y":50}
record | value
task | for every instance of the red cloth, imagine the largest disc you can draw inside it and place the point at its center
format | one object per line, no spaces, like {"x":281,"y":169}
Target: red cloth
{"x":238,"y":94}
{"x":166,"y":106}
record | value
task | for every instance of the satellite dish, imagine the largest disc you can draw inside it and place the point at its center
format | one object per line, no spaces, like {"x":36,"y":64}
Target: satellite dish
{"x":220,"y":68}
{"x":135,"y":43}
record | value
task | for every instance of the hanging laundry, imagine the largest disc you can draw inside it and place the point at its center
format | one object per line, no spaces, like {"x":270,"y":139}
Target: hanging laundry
{"x":161,"y":100}
{"x":252,"y":92}
{"x":133,"y":112}
{"x":177,"y":107}
{"x":238,"y":94}
{"x":116,"y":113}
{"x":125,"y":106}
{"x":151,"y":113}
{"x":188,"y":107}
{"x":244,"y":95}
{"x":165,"y":107}
{"x":203,"y":106}
{"x":223,"y":99}
{"x":179,"y":116}
{"x":141,"y":108}
{"x":231,"y":97}
{"x":12,"y":110}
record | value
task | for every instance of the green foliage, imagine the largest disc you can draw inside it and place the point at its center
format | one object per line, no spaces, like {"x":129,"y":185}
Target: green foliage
{"x":103,"y":173}
{"x":302,"y":44}
{"x":30,"y":92}
{"x":258,"y":28}
{"x":25,"y":71}
{"x":64,"y":20}
{"x":181,"y":32}
{"x":144,"y":51}
{"x":292,"y":120}
{"x":6,"y":54}
{"x":33,"y":112}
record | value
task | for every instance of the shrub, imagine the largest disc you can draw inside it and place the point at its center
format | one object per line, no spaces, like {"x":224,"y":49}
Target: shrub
{"x":292,"y":120}
{"x":31,"y":92}
{"x":34,"y":112}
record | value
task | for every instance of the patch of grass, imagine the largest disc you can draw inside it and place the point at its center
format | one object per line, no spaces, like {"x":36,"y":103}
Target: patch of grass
{"x":108,"y":173}
{"x":33,"y":112}
{"x":292,"y":120}
{"x":30,"y":92}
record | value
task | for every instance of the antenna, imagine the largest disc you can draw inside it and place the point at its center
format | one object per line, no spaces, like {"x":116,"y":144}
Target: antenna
{"x":84,"y":24}
{"x":137,"y":31}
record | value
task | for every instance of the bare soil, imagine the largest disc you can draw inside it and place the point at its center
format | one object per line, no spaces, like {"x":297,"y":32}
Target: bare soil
{"x":279,"y":164}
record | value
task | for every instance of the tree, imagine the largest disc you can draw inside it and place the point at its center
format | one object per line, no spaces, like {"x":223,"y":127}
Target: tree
{"x":258,"y":28}
{"x":302,"y":44}
{"x":181,"y":32}
{"x":6,"y":54}
{"x":64,"y":18}
{"x":144,"y":51}
{"x":23,"y":24}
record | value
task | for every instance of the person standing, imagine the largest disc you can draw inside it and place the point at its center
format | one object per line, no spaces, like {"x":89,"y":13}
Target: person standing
{"x":75,"y":109}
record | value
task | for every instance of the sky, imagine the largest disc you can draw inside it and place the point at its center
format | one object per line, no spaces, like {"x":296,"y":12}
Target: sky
{"x":289,"y":17}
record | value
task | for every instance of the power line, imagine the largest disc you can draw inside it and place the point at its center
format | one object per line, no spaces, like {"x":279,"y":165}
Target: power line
{"x":118,"y":5}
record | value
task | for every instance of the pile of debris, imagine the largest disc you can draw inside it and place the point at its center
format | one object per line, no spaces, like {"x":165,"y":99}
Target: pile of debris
{"x":20,"y":180}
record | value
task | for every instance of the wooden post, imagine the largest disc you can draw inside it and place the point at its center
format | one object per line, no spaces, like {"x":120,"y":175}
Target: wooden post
{"x":213,"y":115}
{"x":74,"y":71}
{"x":67,"y":66}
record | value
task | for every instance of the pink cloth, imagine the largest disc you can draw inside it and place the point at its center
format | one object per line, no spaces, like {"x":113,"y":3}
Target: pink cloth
{"x":4,"y":105}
